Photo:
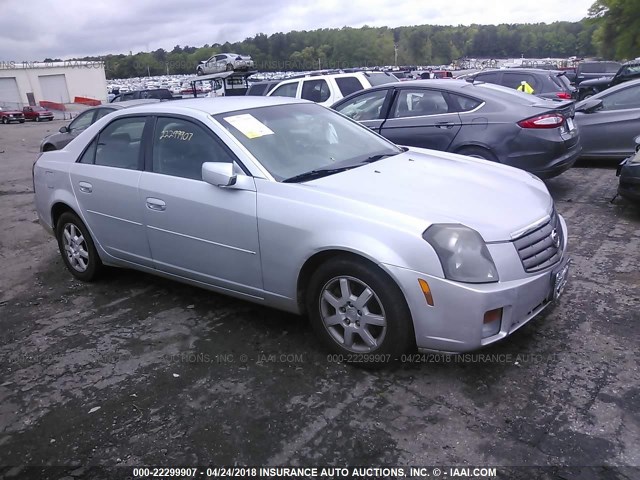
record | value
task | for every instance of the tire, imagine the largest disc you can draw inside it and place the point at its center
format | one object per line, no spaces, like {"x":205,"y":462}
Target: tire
{"x":477,"y":152}
{"x":229,"y":67}
{"x":74,"y":239}
{"x":5,"y":120}
{"x":359,"y":312}
{"x":38,"y":118}
{"x":21,"y":121}
{"x":199,"y":72}
{"x":50,"y":119}
{"x":48,"y":148}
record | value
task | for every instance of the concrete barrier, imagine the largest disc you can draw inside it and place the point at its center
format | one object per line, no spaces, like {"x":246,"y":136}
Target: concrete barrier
{"x":92,"y":102}
{"x":52,"y":105}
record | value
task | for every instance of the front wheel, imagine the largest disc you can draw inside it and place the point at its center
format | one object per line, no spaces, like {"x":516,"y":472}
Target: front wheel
{"x":4,"y":120}
{"x":359,"y":312}
{"x":229,"y":67}
{"x":37,"y":119}
{"x":77,"y":248}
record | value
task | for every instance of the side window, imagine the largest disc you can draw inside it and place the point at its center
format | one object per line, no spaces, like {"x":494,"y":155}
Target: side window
{"x":414,"y":103}
{"x":622,"y":99}
{"x":180,"y":147}
{"x":464,"y":104}
{"x":512,"y":80}
{"x":348,"y":85}
{"x":489,"y":77}
{"x":366,"y":106}
{"x":119,"y":143}
{"x":82,"y":121}
{"x":315,"y":90}
{"x":286,"y":90}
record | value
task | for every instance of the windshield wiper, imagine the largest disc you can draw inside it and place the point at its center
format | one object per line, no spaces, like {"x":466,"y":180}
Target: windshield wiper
{"x":320,"y":172}
{"x":380,"y":156}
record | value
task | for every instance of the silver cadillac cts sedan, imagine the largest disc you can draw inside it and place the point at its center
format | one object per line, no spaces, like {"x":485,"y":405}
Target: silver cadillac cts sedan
{"x":289,"y":204}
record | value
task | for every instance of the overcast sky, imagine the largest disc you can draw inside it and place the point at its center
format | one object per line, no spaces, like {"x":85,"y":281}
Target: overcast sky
{"x":35,"y":29}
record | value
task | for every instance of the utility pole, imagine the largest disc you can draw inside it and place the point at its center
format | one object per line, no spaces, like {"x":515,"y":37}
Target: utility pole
{"x":395,"y":54}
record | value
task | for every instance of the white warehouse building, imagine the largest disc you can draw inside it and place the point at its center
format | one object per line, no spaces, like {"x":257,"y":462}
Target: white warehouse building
{"x":29,"y":83}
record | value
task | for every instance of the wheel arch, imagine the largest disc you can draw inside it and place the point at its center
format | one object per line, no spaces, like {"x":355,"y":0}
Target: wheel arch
{"x":58,"y":209}
{"x":322,"y":257}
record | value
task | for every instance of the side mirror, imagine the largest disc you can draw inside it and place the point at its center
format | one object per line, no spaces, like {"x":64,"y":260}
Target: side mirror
{"x":219,"y":174}
{"x":64,"y":129}
{"x":637,"y":142}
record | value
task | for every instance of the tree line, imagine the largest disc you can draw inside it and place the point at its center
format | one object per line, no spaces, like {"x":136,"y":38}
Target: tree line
{"x":612,"y":30}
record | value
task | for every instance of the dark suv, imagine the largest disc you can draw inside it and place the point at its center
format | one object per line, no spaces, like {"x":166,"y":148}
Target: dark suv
{"x":552,"y":84}
{"x":588,"y":70}
{"x":627,"y":71}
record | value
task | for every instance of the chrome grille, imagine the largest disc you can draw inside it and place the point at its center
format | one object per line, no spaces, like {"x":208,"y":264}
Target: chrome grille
{"x":537,"y":249}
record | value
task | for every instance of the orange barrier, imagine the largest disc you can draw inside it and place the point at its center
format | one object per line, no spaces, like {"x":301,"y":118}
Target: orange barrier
{"x":92,"y":102}
{"x":52,"y":105}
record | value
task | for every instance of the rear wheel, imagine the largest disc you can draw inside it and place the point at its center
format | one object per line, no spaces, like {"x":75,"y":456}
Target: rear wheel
{"x":48,"y":148}
{"x":21,"y":121}
{"x":4,"y":120}
{"x":359,"y":312}
{"x":38,"y":118}
{"x":478,"y":152}
{"x":77,"y":248}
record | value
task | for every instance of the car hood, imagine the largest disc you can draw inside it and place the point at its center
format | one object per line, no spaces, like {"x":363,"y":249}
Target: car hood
{"x":435,"y":187}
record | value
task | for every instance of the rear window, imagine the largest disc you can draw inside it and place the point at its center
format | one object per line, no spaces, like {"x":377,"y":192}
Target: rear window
{"x":510,"y":95}
{"x":379,"y":78}
{"x":348,"y":85}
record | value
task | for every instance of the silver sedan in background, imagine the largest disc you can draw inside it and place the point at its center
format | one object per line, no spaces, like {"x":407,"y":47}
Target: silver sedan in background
{"x":288,"y":204}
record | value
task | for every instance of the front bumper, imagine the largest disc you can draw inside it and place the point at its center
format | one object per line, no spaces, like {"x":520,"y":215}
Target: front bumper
{"x":454,"y":323}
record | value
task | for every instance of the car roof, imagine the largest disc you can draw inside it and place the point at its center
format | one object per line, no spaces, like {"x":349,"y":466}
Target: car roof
{"x":214,"y":106}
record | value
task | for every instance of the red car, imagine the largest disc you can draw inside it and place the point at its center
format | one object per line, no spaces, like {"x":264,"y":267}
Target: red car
{"x":7,"y":115}
{"x":38,"y":114}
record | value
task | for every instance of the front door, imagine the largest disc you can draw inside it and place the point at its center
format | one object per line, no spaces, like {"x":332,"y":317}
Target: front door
{"x":197,"y":230}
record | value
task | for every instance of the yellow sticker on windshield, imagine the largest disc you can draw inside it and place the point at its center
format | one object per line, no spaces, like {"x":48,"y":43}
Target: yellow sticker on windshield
{"x":249,"y":125}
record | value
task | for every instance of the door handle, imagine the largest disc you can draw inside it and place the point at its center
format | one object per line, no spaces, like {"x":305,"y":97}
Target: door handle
{"x":444,"y":125}
{"x":85,"y":187}
{"x":156,"y":204}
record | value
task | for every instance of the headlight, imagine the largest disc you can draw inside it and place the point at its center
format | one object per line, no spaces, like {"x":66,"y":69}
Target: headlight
{"x":462,"y":252}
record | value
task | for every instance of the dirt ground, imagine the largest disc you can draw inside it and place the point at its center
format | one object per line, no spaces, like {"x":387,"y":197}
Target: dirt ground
{"x":137,"y":370}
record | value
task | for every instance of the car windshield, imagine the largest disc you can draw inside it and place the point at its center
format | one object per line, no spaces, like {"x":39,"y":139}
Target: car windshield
{"x":293,"y":139}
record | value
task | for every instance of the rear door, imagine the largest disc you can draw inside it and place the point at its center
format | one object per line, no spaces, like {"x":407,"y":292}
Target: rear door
{"x":609,"y":132}
{"x":105,"y":182}
{"x":421,"y":117}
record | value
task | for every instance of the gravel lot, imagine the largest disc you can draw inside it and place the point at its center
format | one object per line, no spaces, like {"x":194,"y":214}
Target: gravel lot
{"x":136,"y":370}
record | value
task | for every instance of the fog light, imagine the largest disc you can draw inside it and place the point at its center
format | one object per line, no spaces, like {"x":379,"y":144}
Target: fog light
{"x":492,"y":322}
{"x":426,"y":290}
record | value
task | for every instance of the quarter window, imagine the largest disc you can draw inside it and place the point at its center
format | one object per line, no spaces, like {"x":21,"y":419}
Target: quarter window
{"x":180,"y":147}
{"x":119,"y":143}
